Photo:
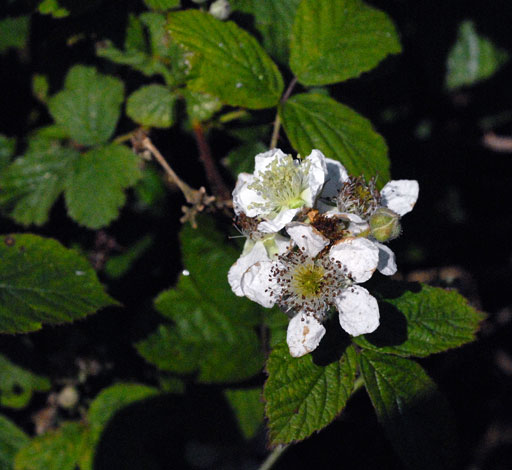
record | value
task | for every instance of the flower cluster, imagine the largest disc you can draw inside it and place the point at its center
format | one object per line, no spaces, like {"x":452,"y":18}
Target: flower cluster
{"x":313,"y":234}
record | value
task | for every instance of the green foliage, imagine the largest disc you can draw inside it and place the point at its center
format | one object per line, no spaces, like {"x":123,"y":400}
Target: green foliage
{"x":89,"y":106}
{"x":233,"y":66}
{"x":40,"y":87}
{"x":423,"y":323}
{"x":335,"y":40}
{"x":213,"y":330}
{"x":13,"y":33}
{"x":112,"y":399}
{"x":273,"y":20}
{"x":65,"y":449}
{"x":247,"y":404}
{"x":152,"y":106}
{"x":95,"y":189}
{"x":52,"y":7}
{"x":472,"y":58}
{"x":12,"y":438}
{"x":7,"y":147}
{"x":413,"y":412}
{"x":32,"y":183}
{"x":117,"y":266}
{"x":201,"y":106}
{"x":162,"y":5}
{"x":302,"y":397}
{"x":17,"y":384}
{"x":43,"y":282}
{"x":241,"y":159}
{"x":314,"y":121}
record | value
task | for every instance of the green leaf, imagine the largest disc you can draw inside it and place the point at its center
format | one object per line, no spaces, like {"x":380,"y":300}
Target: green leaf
{"x":63,"y":449}
{"x":241,"y":159}
{"x":7,"y":148}
{"x":247,"y":404}
{"x":423,"y":323}
{"x":233,"y":65}
{"x":52,"y":7}
{"x":274,"y":20}
{"x":43,"y":282}
{"x":335,"y":40}
{"x":200,"y":106}
{"x":162,"y":5}
{"x":135,"y":39}
{"x":12,"y":438}
{"x":472,"y":58}
{"x":213,"y":331}
{"x":150,"y":189}
{"x":14,"y":33}
{"x":40,"y":87}
{"x":152,"y":106}
{"x":112,"y":399}
{"x":33,"y":182}
{"x":117,"y":266}
{"x":411,"y":409}
{"x":17,"y":385}
{"x":277,"y":323}
{"x":314,"y":121}
{"x":89,"y":106}
{"x":302,"y":397}
{"x":95,"y":191}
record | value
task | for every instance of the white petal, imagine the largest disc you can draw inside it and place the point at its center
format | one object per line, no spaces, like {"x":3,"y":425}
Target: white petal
{"x":278,"y":222}
{"x":387,"y":262}
{"x":262,"y":160}
{"x":307,"y":238}
{"x":304,"y":334}
{"x":258,"y":285}
{"x":400,"y":195}
{"x":235,"y":273}
{"x":336,"y":176}
{"x":243,"y":197}
{"x":359,"y":256}
{"x":358,"y":311}
{"x":283,"y":243}
{"x":316,"y":175}
{"x":356,"y":225}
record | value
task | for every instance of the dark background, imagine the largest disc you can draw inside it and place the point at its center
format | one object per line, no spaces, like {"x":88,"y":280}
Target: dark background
{"x":462,"y":222}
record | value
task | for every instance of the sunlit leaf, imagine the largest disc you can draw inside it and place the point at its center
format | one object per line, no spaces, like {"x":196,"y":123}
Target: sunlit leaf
{"x":12,"y":438}
{"x":152,"y":106}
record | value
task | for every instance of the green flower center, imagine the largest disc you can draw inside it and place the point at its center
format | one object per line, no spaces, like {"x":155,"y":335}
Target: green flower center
{"x":308,"y":280}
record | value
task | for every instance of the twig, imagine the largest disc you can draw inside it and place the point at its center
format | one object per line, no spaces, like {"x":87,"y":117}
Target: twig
{"x":272,"y":457}
{"x":277,"y":121}
{"x":497,"y":143}
{"x":213,"y":175}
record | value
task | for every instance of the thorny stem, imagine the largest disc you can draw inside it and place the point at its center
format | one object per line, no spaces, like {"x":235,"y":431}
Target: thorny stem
{"x":217,"y":184}
{"x":273,"y":456}
{"x":188,"y":192}
{"x":277,"y":122}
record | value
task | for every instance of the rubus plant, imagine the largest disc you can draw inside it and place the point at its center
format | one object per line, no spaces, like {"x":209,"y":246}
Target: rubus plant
{"x":315,"y":227}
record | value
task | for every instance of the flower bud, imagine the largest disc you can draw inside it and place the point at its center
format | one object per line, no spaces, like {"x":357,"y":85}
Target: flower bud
{"x":385,"y":224}
{"x":221,"y":9}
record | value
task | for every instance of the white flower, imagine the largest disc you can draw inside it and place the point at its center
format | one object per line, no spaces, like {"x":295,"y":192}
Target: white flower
{"x":279,"y":187}
{"x":308,"y":283}
{"x":400,"y":195}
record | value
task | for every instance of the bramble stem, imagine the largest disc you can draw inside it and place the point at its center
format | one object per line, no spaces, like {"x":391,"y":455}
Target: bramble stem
{"x":277,"y":121}
{"x":273,"y":456}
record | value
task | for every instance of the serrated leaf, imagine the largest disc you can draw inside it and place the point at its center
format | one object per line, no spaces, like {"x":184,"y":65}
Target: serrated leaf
{"x":472,"y":58}
{"x":12,"y":438}
{"x":247,"y":404}
{"x":241,"y":159}
{"x":302,"y":397}
{"x":89,"y":106}
{"x":14,"y":32}
{"x":201,"y":106}
{"x":17,"y":385}
{"x":43,"y":282}
{"x":162,"y":5}
{"x":95,"y":191}
{"x":313,"y":121}
{"x":112,"y":399}
{"x":411,"y":409}
{"x":233,"y":65}
{"x":63,"y":449}
{"x":33,"y":182}
{"x":424,"y":322}
{"x":334,"y":40}
{"x":7,"y":147}
{"x":274,"y":20}
{"x":213,"y":331}
{"x":152,"y":106}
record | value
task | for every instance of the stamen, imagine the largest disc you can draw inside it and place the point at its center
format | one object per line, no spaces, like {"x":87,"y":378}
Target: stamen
{"x":358,"y":197}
